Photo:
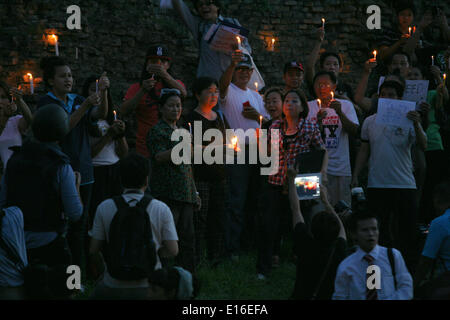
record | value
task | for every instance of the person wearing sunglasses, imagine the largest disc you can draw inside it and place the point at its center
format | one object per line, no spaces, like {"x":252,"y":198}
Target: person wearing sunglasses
{"x":212,"y":63}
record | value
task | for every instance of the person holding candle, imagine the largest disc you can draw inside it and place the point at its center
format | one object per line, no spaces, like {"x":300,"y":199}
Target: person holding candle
{"x":242,"y":108}
{"x":12,"y":127}
{"x":170,"y":183}
{"x":391,"y":189}
{"x":59,"y":81}
{"x":108,"y":146}
{"x":142,"y":98}
{"x":296,"y":135}
{"x":210,"y":179}
{"x":337,"y":121}
{"x":211,"y":63}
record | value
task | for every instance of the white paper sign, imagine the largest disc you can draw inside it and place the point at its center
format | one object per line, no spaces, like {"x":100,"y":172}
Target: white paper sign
{"x":393,"y":112}
{"x":224,"y":38}
{"x":415,"y":90}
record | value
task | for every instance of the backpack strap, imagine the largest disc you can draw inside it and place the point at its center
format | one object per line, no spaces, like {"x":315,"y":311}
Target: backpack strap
{"x":392,"y":263}
{"x":120,"y":202}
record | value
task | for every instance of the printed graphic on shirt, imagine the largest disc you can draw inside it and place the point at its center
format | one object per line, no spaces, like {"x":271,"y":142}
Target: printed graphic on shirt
{"x":331,"y":129}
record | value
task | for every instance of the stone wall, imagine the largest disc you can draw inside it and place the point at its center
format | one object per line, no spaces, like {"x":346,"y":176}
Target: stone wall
{"x":115,"y":35}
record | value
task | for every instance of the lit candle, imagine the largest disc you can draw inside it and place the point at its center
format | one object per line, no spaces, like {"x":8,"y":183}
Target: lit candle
{"x":332,"y":95}
{"x":115,"y":115}
{"x":409,"y":31}
{"x":31,"y":83}
{"x":96,"y":86}
{"x":56,"y":44}
{"x":76,"y":53}
{"x":256,"y":86}
{"x":239,"y":42}
{"x":190,"y":128}
{"x":323,"y":23}
{"x":414,"y":29}
{"x":319,"y":103}
{"x":260,"y":122}
{"x":234,"y":144}
{"x":432,"y":60}
{"x":272,"y":48}
{"x":445,"y":77}
{"x":375,"y":55}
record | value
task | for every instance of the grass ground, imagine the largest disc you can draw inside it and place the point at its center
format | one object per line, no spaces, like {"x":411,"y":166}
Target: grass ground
{"x":237,"y":280}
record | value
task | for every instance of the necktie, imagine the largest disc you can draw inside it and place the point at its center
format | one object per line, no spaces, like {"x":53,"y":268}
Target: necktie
{"x":371,"y":294}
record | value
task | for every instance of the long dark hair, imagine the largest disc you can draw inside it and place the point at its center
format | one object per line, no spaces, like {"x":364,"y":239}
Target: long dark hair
{"x":303,"y":100}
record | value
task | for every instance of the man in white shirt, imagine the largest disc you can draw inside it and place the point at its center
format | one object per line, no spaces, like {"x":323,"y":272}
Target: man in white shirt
{"x":337,"y":120}
{"x":391,"y":187}
{"x":356,"y":281}
{"x":134,"y":176}
{"x":242,"y":108}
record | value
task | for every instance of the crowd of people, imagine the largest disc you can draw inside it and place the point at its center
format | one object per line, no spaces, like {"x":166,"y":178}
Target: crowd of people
{"x":73,"y":192}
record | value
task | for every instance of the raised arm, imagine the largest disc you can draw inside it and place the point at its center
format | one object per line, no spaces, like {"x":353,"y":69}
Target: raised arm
{"x":227,"y":76}
{"x":189,"y":20}
{"x":360,"y":94}
{"x":421,"y":136}
{"x":312,"y":59}
{"x":103,"y":86}
{"x":24,"y":122}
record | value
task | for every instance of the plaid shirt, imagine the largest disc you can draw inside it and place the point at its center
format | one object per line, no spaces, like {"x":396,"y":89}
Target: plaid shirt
{"x":308,"y":135}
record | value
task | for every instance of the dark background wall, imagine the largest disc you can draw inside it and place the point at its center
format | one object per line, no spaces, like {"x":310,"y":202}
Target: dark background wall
{"x":115,"y":35}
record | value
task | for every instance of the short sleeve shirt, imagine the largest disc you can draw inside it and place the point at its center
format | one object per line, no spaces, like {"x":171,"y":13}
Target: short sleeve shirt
{"x":169,"y":181}
{"x":438,"y":239}
{"x":146,"y":113}
{"x":9,"y":137}
{"x":390,"y":164}
{"x":335,"y":138}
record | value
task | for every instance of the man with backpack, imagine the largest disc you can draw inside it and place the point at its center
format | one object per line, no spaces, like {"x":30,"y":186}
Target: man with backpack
{"x":41,"y":183}
{"x":133,"y":231}
{"x":386,"y":279}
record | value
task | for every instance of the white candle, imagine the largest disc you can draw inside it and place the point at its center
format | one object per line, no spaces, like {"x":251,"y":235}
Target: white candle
{"x":190,"y":128}
{"x":96,"y":86}
{"x":332,"y":95}
{"x":56,"y":44}
{"x":272,"y":48}
{"x":115,"y":115}
{"x":323,"y":23}
{"x":319,"y":103}
{"x":31,"y":83}
{"x":239,"y":42}
{"x":409,"y":31}
{"x":260,"y":121}
{"x":375,"y":55}
{"x":256,"y":86}
{"x":432,"y":60}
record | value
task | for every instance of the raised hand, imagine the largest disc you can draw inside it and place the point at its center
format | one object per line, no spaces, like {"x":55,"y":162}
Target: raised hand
{"x":103,"y":82}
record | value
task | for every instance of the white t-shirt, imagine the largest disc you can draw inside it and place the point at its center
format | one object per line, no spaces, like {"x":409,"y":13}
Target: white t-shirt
{"x":163,"y":228}
{"x":336,"y":139}
{"x":232,"y":107}
{"x":390,"y":164}
{"x":10,"y":137}
{"x":107,"y":156}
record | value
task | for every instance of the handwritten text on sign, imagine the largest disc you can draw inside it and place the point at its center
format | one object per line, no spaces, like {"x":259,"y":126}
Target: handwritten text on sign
{"x":393,"y":112}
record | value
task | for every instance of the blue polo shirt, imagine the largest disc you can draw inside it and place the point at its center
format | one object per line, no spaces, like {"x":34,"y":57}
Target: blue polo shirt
{"x":438,"y":239}
{"x":76,"y":143}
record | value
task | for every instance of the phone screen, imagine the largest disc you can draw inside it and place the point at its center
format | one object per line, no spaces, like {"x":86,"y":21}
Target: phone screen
{"x":308,"y":186}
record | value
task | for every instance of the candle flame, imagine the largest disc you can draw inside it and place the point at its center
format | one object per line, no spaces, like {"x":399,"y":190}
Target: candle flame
{"x":238,"y":39}
{"x":414,"y":29}
{"x":273,"y":41}
{"x":256,"y":85}
{"x":55,"y":37}
{"x":234,"y":144}
{"x":30,"y":75}
{"x":409,"y":30}
{"x":445,"y":76}
{"x":332,"y":95}
{"x":319,"y":102}
{"x":114,"y":112}
{"x":323,"y":20}
{"x":375,"y":53}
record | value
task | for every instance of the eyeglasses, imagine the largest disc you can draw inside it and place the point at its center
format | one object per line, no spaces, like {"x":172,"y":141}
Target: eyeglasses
{"x":165,"y":91}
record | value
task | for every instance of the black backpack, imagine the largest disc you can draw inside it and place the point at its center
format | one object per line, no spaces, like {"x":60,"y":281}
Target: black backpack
{"x":131,"y":252}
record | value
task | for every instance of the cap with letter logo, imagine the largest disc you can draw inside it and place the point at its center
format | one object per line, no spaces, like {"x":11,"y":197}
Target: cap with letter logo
{"x":158,"y":51}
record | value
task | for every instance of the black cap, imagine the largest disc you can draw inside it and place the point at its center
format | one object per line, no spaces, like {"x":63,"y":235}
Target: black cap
{"x":50,"y":123}
{"x":158,"y":51}
{"x":294,"y":65}
{"x":245,"y":62}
